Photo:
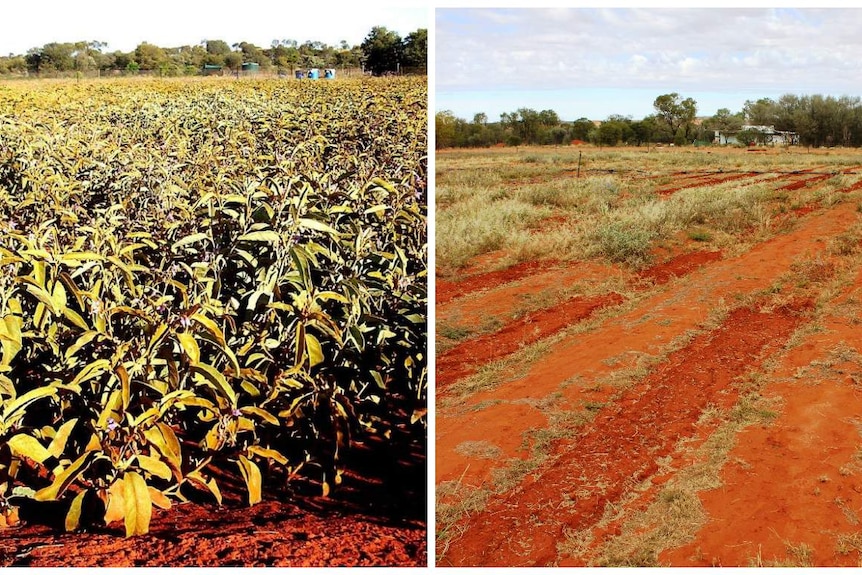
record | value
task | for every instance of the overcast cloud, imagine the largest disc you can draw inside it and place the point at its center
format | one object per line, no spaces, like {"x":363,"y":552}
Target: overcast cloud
{"x":596,"y":56}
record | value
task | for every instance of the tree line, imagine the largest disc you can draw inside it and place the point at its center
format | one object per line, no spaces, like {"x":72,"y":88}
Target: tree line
{"x":816,"y":119}
{"x":382,"y":52}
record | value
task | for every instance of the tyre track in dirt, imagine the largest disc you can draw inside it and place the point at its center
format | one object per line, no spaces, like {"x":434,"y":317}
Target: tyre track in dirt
{"x":620,"y":446}
{"x":644,"y":330}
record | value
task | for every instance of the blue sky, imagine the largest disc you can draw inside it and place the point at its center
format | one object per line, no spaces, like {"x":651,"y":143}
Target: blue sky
{"x":594,"y":62}
{"x":172,"y":23}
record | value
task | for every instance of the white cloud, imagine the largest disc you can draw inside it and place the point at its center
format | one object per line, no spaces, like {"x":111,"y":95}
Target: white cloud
{"x":684,"y":49}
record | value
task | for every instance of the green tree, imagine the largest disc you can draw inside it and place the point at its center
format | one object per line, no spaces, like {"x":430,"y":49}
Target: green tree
{"x":675,"y":113}
{"x":149,"y":56}
{"x":446,"y":128}
{"x":581,"y":129}
{"x":383,"y":51}
{"x":416,"y":51}
{"x":763,"y":112}
{"x":233,"y":60}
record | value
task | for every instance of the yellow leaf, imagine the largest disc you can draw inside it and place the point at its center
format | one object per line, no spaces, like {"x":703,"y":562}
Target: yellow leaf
{"x":138,"y":506}
{"x":190,"y":346}
{"x":251,"y":474}
{"x":154,"y":466}
{"x":58,"y":444}
{"x":23,"y":445}
{"x":212,"y":375}
{"x":65,"y":478}
{"x":160,"y":500}
{"x":209,"y":484}
{"x":115,"y":508}
{"x":315,"y":351}
{"x":73,"y":517}
{"x":268,"y":453}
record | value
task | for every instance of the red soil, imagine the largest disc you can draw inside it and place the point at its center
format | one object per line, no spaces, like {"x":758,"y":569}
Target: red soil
{"x":620,"y":446}
{"x":500,"y":303}
{"x":806,"y":182}
{"x":811,"y":452}
{"x":467,"y":357}
{"x":449,"y":290}
{"x":376,"y":517}
{"x":679,"y":266}
{"x":597,"y":471}
{"x":706,"y":182}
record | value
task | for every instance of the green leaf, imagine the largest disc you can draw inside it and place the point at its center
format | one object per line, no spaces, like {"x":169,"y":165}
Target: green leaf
{"x":138,"y":505}
{"x":251,"y":474}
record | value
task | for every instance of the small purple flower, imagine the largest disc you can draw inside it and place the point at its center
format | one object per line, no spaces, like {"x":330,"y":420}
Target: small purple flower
{"x":185,"y":322}
{"x":236,"y":412}
{"x":112,"y":425}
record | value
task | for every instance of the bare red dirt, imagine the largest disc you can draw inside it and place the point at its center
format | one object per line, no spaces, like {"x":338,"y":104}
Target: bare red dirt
{"x":805,"y":453}
{"x":448,"y":290}
{"x":620,"y":446}
{"x":703,"y":182}
{"x":465,"y":358}
{"x":679,"y":266}
{"x":376,"y":518}
{"x":575,"y":444}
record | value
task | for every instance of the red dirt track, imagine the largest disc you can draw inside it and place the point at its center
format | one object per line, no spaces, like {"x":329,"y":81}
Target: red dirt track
{"x":703,"y":411}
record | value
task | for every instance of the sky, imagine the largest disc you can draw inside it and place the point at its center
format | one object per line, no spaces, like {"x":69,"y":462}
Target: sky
{"x":173,"y":23}
{"x":595,"y":62}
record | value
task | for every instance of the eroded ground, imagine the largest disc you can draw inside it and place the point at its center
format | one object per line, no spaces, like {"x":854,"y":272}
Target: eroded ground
{"x":701,"y":410}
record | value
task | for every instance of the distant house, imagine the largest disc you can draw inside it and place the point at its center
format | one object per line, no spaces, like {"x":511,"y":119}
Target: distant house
{"x":771,"y":135}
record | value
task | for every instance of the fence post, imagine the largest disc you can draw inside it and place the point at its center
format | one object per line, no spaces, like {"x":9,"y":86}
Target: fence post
{"x":579,"y":165}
